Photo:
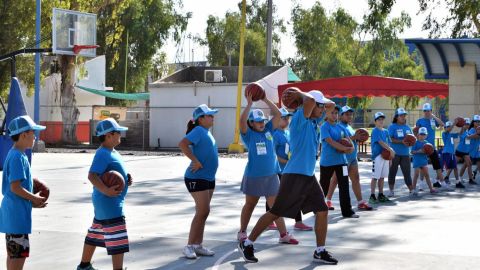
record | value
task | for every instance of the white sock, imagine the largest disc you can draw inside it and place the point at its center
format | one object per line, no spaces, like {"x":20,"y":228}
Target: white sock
{"x":195,"y":246}
{"x":320,"y":249}
{"x":248,"y":242}
{"x":361,"y":201}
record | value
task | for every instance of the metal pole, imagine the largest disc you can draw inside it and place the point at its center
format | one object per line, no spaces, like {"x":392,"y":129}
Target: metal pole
{"x":269,"y":32}
{"x":126,"y":66}
{"x":236,"y":147}
{"x":36,"y":115}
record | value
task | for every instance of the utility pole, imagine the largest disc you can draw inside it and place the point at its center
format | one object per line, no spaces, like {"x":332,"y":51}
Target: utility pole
{"x":269,"y":32}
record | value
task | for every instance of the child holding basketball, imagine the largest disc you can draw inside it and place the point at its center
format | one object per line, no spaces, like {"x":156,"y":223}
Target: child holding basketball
{"x":420,"y":162}
{"x":380,"y":166}
{"x":463,"y":149}
{"x":200,"y":147}
{"x":109,"y":219}
{"x":448,"y":158}
{"x":17,"y":189}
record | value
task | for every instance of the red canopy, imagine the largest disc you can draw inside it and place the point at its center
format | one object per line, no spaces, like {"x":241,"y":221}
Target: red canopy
{"x":361,"y":86}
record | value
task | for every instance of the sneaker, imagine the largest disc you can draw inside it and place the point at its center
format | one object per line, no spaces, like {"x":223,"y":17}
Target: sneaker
{"x":391,"y":193}
{"x":383,"y":199}
{"x":413,"y":194}
{"x":203,"y":251}
{"x":372,"y":199}
{"x":288,"y":239}
{"x":352,"y":216}
{"x":272,"y":227}
{"x":433,"y":191}
{"x":241,"y":236}
{"x":459,"y":185}
{"x":363,"y":206}
{"x":471,"y":182}
{"x":90,"y":267}
{"x":300,"y":226}
{"x":324,"y":257}
{"x":437,"y":185}
{"x":189,"y":252}
{"x":247,"y":252}
{"x":330,"y":206}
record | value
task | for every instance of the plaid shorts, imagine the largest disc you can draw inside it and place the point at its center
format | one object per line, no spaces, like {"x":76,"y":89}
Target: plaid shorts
{"x":18,"y":245}
{"x":109,"y":233}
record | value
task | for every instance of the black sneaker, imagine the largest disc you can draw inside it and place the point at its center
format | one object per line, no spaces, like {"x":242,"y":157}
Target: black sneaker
{"x":471,"y":182}
{"x":437,"y":185}
{"x":247,"y":252}
{"x":352,"y":216}
{"x":459,"y":185}
{"x":324,"y":257}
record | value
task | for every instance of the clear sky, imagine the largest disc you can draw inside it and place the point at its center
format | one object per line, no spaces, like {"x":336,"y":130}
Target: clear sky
{"x":201,"y":9}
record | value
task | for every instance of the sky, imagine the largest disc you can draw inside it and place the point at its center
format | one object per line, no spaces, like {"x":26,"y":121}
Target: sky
{"x":201,"y":9}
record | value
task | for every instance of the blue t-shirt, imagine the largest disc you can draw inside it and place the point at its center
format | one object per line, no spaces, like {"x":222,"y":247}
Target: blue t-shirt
{"x":350,"y":132}
{"x":16,"y":212}
{"x":474,"y":149}
{"x":431,"y":125}
{"x":106,"y":207}
{"x":304,"y":141}
{"x":330,"y":156}
{"x":205,"y":149}
{"x":262,"y":160}
{"x":464,"y":143}
{"x":399,"y":132}
{"x":378,"y":135}
{"x":448,"y":143}
{"x":281,"y":139}
{"x":419,"y":159}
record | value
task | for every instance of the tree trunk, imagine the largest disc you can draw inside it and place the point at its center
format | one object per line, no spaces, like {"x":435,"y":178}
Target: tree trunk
{"x":68,"y":103}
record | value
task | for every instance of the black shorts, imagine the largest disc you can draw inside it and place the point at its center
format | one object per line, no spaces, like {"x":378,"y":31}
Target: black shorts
{"x":194,"y":185}
{"x":435,"y":161}
{"x":298,"y":192}
{"x":460,"y":154}
{"x":18,"y":246}
{"x":475,"y":160}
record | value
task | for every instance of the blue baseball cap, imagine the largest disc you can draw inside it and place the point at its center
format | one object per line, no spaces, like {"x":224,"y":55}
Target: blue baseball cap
{"x":379,"y":115}
{"x":202,"y":110}
{"x":21,"y":124}
{"x":285,"y":112}
{"x":427,"y":107}
{"x":423,"y":131}
{"x":109,"y":125}
{"x":257,"y":115}
{"x":345,"y":109}
{"x":400,"y":111}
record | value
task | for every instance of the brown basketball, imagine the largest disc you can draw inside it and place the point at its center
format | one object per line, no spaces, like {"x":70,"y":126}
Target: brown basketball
{"x":345,"y":142}
{"x":290,"y":99}
{"x":428,"y":149}
{"x":40,"y":186}
{"x":415,"y":131}
{"x":113,"y":178}
{"x":460,"y":121}
{"x":362,"y":135}
{"x":256,"y":90}
{"x":410,"y":139}
{"x":386,"y":155}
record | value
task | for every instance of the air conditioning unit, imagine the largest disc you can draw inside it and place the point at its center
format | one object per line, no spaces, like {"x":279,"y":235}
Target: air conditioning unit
{"x":213,"y":76}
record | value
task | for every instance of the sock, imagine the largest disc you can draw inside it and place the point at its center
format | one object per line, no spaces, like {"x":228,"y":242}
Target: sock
{"x":195,"y":246}
{"x":320,"y":249}
{"x":283,"y":234}
{"x":361,"y":201}
{"x":248,"y":242}
{"x":84,"y":264}
{"x":458,"y":181}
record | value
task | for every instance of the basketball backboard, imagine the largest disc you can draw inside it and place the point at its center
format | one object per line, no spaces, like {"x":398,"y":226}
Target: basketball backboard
{"x":70,"y":28}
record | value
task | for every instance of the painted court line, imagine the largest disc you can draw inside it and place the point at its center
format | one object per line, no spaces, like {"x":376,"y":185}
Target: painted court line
{"x":220,"y":261}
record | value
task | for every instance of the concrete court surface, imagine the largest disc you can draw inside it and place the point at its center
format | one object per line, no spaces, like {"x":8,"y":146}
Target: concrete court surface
{"x":433,"y":232}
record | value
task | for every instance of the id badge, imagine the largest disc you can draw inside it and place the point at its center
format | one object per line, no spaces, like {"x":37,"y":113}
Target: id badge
{"x":345,"y":170}
{"x":400,"y":133}
{"x":261,"y":148}
{"x":467,"y":141}
{"x":433,"y":123}
{"x":287,"y":149}
{"x":451,"y":140}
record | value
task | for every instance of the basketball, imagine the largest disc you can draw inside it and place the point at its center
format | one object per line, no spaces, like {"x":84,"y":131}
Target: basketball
{"x":415,"y":131}
{"x":362,"y":135}
{"x":410,"y":140}
{"x":345,"y":142}
{"x":428,"y":149}
{"x":40,"y":186}
{"x":386,"y":155}
{"x":460,"y":121}
{"x":290,"y":99}
{"x":256,"y":90}
{"x":113,"y":178}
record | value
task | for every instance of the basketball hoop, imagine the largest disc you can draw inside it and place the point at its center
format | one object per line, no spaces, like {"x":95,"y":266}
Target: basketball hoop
{"x":78,"y":48}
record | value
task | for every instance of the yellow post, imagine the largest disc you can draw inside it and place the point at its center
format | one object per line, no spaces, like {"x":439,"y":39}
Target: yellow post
{"x":236,"y":146}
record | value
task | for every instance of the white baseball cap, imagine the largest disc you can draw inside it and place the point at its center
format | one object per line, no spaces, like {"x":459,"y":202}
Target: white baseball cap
{"x":427,"y":107}
{"x":319,"y":97}
{"x":468,"y":121}
{"x":345,"y":109}
{"x":476,"y":117}
{"x":448,"y":124}
{"x":423,"y":131}
{"x":257,"y":115}
{"x":401,"y":111}
{"x":378,"y":115}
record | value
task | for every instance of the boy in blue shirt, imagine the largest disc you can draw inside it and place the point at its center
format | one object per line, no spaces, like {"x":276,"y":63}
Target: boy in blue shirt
{"x":420,"y":161}
{"x":108,"y":202}
{"x":17,"y":189}
{"x":448,"y":154}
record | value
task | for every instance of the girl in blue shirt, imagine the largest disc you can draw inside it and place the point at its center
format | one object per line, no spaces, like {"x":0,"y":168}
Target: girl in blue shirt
{"x":474,"y":150}
{"x":420,"y":161}
{"x":260,"y":178}
{"x":463,"y":149}
{"x":448,"y":153}
{"x":200,"y":147}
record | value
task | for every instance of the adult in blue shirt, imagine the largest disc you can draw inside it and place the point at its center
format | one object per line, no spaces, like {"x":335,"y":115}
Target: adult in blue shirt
{"x":397,"y":132}
{"x":299,"y":189}
{"x":200,"y":147}
{"x":431,"y":122}
{"x":333,"y":160}
{"x":474,"y":150}
{"x":463,"y":149}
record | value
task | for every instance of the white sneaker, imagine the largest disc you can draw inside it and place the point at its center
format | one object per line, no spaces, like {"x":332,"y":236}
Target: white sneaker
{"x":241,"y":236}
{"x":288,"y":239}
{"x":203,"y":251}
{"x":189,"y":252}
{"x":391,"y":193}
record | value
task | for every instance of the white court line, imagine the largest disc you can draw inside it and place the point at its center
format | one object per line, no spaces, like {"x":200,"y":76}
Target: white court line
{"x":220,"y":261}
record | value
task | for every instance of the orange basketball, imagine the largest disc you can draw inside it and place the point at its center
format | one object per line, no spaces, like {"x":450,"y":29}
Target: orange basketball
{"x":410,"y":139}
{"x":460,"y":121}
{"x":40,"y":186}
{"x":290,"y":98}
{"x":113,"y":178}
{"x":362,"y":135}
{"x":345,"y":142}
{"x":428,"y":149}
{"x":256,"y":90}
{"x":386,"y":155}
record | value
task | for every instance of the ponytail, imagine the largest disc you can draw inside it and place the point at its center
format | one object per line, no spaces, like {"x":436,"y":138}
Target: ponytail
{"x":191,"y":125}
{"x":471,"y":125}
{"x":395,"y":119}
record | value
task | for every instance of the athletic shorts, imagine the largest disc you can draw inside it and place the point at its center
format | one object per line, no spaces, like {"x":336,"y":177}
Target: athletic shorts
{"x":460,"y":154}
{"x":298,"y":192}
{"x":380,"y":168}
{"x":353,"y":162}
{"x":110,"y":234}
{"x":435,"y":160}
{"x":475,"y":160}
{"x":18,"y":246}
{"x":194,"y":185}
{"x":449,"y":161}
